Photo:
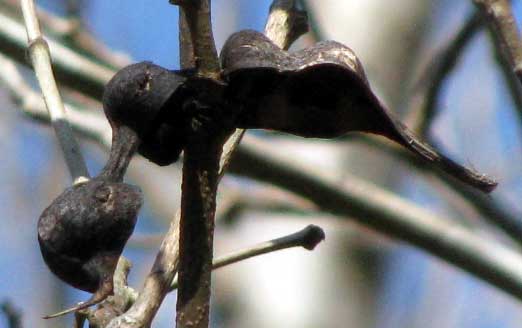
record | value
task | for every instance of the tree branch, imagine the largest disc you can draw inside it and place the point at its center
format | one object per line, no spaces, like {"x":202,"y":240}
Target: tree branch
{"x":197,"y":17}
{"x":71,"y":68}
{"x":73,"y":32}
{"x":499,"y":15}
{"x":156,"y":286}
{"x":387,"y":213}
{"x":484,"y":204}
{"x":200,"y":172}
{"x":41,"y":60}
{"x":307,"y":238}
{"x":512,"y":82}
{"x":285,"y":23}
{"x":199,"y":49}
{"x":13,"y":315}
{"x":436,"y":74}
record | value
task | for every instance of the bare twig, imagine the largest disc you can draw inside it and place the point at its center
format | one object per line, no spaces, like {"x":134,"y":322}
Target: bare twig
{"x":41,"y":60}
{"x":198,"y":49}
{"x":54,"y":24}
{"x":200,"y":171}
{"x":307,"y":238}
{"x":115,"y":305}
{"x":197,"y":15}
{"x":285,"y":23}
{"x":484,"y":204}
{"x":499,"y":14}
{"x":71,"y":68}
{"x":388,"y":214}
{"x":200,"y":175}
{"x":430,"y":85}
{"x":13,"y":315}
{"x":73,"y":32}
{"x":512,"y":81}
{"x":89,"y":124}
{"x":156,"y":286}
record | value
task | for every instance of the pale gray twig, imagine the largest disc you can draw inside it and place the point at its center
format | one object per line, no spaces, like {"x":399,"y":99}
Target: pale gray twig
{"x":41,"y":60}
{"x":156,"y":286}
{"x":71,"y":68}
{"x":499,"y":14}
{"x":387,"y":213}
{"x":307,"y":238}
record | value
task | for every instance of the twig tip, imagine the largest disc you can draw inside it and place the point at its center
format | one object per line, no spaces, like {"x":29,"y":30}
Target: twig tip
{"x":312,"y":235}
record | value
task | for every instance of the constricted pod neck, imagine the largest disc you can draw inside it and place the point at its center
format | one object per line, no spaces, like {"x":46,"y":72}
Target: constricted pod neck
{"x":125,"y":143}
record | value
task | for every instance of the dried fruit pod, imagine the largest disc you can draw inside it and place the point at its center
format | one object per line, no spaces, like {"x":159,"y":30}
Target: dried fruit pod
{"x":147,"y":99}
{"x":319,"y":92}
{"x":83,"y":232}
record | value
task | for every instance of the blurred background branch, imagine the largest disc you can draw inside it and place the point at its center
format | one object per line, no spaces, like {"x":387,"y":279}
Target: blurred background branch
{"x":13,"y":315}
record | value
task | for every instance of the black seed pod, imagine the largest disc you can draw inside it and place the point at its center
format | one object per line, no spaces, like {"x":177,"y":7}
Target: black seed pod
{"x":146,"y":98}
{"x":319,"y":92}
{"x":83,"y":232}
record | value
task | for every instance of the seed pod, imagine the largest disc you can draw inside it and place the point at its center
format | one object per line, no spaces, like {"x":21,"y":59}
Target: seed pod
{"x":83,"y":232}
{"x":319,"y":92}
{"x":147,"y":99}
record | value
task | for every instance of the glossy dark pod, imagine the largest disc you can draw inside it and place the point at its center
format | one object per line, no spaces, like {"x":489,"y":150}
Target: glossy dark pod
{"x":318,"y":92}
{"x":147,"y":99}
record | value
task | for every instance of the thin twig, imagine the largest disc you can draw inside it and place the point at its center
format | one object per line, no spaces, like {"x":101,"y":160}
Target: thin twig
{"x":307,"y":238}
{"x":499,"y":14}
{"x":387,"y":213}
{"x":285,"y":23}
{"x":71,"y":68}
{"x":41,"y":60}
{"x":156,"y":286}
{"x":512,"y":82}
{"x":437,"y":72}
{"x":73,"y":32}
{"x":53,"y":24}
{"x":200,"y":172}
{"x":197,"y":15}
{"x":113,"y":306}
{"x":194,"y":242}
{"x":484,"y":204}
